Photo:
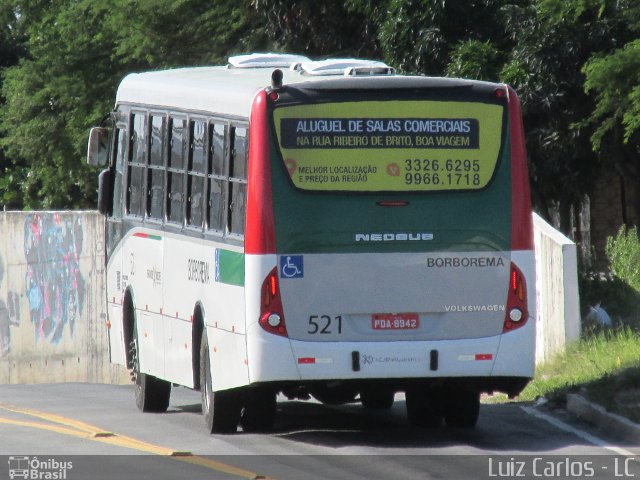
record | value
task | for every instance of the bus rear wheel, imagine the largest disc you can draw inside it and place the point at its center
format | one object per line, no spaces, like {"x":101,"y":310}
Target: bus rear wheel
{"x":424,"y":407}
{"x":462,"y":408}
{"x":221,"y":409}
{"x":259,"y":411}
{"x":381,"y":399}
{"x":152,"y":394}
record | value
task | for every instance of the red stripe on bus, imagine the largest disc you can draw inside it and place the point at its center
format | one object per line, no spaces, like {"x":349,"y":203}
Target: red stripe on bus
{"x":521,"y":219}
{"x":259,"y":228}
{"x":484,"y":356}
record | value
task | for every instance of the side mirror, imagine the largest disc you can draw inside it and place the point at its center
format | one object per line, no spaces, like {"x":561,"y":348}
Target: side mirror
{"x":105,"y":191}
{"x":98,"y":147}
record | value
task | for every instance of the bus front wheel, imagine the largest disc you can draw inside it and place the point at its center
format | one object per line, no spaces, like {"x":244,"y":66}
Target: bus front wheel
{"x":221,"y":409}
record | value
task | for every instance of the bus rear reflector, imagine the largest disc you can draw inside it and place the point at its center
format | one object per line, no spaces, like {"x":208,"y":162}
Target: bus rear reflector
{"x":271,"y":315}
{"x":517,"y":311}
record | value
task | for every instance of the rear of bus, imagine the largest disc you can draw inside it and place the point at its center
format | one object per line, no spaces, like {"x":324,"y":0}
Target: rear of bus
{"x":389,"y":238}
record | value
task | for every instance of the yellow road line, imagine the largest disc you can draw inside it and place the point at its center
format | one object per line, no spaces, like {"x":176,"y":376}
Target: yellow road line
{"x":76,"y":428}
{"x":52,"y":418}
{"x":42,"y":426}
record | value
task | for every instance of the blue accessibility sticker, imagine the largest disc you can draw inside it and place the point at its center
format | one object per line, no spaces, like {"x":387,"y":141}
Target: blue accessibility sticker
{"x":291,"y":266}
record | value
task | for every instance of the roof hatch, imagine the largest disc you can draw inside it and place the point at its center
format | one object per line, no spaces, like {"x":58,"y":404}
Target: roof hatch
{"x":343,"y":66}
{"x":266,"y":60}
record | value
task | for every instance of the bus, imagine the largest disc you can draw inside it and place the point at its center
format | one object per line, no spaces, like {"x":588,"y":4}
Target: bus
{"x":286,"y":227}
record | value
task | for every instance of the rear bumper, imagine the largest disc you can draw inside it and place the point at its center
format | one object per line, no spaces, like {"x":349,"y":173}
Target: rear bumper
{"x":278,"y":359}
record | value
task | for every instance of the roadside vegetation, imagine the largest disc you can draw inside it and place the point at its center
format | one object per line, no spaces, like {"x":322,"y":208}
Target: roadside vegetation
{"x":604,"y":366}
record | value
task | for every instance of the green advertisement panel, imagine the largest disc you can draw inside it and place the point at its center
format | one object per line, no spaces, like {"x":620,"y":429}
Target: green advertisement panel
{"x":369,"y":146}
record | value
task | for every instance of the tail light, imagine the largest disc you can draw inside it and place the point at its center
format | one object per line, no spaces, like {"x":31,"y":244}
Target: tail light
{"x":271,"y":315}
{"x":517,"y":311}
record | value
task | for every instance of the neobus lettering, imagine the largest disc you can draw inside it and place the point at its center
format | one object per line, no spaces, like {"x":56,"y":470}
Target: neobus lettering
{"x":393,"y":237}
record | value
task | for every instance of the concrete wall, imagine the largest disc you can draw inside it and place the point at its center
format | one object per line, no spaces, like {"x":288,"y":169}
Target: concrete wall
{"x":53,"y":312}
{"x":52,"y":300}
{"x":558,"y":303}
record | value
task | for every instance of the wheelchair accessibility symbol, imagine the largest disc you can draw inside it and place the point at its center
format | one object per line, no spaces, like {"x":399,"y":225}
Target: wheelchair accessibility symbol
{"x":291,"y":266}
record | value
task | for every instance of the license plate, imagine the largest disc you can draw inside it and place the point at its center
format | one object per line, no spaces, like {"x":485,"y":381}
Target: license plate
{"x":395,"y":321}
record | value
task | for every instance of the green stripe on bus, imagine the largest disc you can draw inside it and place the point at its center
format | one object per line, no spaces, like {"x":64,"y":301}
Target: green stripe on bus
{"x":229,"y":267}
{"x":148,"y":236}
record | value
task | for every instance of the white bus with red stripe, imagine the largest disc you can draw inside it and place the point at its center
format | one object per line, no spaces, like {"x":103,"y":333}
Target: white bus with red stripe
{"x":326,"y":229}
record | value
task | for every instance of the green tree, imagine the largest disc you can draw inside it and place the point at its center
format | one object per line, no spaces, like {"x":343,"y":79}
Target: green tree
{"x":475,"y":59}
{"x":554,"y":40}
{"x":76,"y":52}
{"x":329,"y":28}
{"x":419,"y":36}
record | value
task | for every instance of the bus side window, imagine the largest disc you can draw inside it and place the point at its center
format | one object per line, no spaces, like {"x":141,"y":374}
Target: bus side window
{"x":237,"y":180}
{"x":121,"y":153}
{"x":197,"y":171}
{"x":137,"y":164}
{"x":175,"y":182}
{"x":155,"y":176}
{"x":216,"y":177}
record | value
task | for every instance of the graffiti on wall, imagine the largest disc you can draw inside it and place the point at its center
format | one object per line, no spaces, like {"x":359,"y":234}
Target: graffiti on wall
{"x":9,"y":316}
{"x":54,"y":286}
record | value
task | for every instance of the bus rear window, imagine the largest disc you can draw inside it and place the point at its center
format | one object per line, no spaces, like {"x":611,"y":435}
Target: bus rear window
{"x":368,"y":146}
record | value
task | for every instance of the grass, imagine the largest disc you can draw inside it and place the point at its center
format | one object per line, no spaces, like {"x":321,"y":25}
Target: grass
{"x":605,"y":366}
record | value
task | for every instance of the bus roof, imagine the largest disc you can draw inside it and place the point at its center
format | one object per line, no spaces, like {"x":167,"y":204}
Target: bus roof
{"x":230,"y":91}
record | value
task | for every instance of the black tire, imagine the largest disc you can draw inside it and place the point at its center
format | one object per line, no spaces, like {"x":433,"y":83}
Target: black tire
{"x":152,"y":394}
{"x":259,"y":411}
{"x":221,"y":409}
{"x":424,"y":407}
{"x":462,"y":408}
{"x":380,"y":399}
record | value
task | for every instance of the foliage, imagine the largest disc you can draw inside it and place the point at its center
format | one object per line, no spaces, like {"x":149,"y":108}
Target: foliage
{"x":586,"y":363}
{"x":474,"y":59}
{"x":67,"y":80}
{"x":614,"y":295}
{"x":554,"y":40}
{"x":614,"y":77}
{"x":418,"y":36}
{"x":623,"y":252}
{"x":318,"y":29}
{"x":574,"y":63}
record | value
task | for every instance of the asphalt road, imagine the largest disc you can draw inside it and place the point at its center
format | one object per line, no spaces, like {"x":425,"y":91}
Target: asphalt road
{"x":81,"y":431}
